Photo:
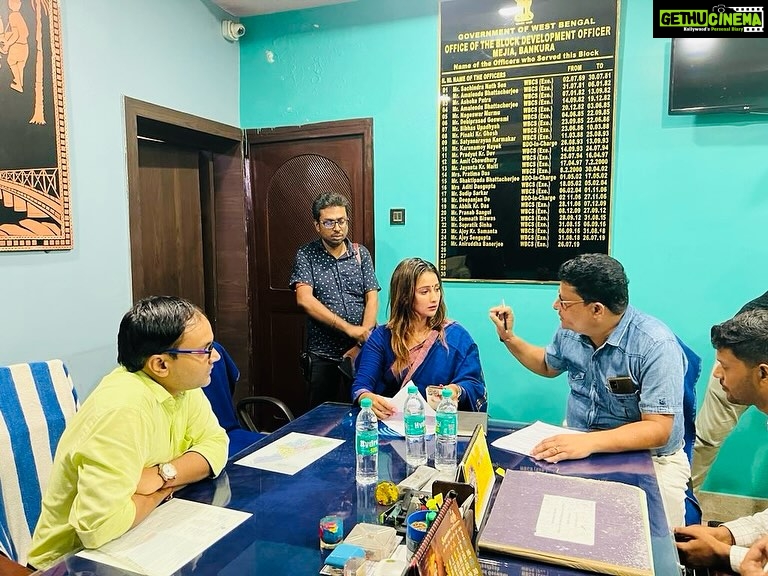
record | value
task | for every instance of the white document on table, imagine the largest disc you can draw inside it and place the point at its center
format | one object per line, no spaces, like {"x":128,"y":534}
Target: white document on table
{"x":396,"y":423}
{"x":291,"y":453}
{"x":522,"y":441}
{"x":567,"y":519}
{"x":173,"y":535}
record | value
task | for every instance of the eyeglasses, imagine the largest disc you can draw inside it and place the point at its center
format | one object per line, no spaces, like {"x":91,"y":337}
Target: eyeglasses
{"x":331,"y":224}
{"x":565,"y":303}
{"x":208,"y":350}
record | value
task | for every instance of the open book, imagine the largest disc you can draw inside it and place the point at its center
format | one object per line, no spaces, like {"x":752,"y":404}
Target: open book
{"x":585,"y":524}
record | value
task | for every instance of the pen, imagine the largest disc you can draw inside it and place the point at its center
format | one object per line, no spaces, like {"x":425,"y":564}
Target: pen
{"x":503,"y":304}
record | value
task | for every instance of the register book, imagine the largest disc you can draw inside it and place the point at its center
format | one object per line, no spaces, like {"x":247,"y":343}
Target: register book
{"x":586,"y":524}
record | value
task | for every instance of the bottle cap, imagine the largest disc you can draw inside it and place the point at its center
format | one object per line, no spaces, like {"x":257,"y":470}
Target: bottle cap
{"x":366,"y":402}
{"x":447,"y":392}
{"x":412,"y":389}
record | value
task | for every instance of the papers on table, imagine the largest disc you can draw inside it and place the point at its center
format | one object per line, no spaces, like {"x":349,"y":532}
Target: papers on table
{"x":394,"y":426}
{"x":170,"y":537}
{"x":522,"y":441}
{"x":291,"y":453}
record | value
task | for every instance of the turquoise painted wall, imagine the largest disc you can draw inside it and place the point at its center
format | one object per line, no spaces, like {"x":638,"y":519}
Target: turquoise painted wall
{"x":690,"y":193}
{"x":68,"y":304}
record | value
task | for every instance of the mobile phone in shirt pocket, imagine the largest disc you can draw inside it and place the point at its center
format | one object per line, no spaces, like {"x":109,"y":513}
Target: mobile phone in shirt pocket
{"x":621,"y":385}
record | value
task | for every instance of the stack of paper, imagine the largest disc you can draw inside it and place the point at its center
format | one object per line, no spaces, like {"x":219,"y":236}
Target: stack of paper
{"x":170,"y":537}
{"x":522,"y":441}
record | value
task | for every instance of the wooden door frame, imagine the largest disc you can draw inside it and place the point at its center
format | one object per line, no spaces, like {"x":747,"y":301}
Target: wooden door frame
{"x":222,"y":191}
{"x":362,"y":127}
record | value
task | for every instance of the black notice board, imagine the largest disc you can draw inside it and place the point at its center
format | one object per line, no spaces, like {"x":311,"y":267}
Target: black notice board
{"x":527,"y":92}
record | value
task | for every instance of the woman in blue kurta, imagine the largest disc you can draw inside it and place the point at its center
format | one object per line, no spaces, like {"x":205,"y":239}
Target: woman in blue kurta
{"x":419,"y":344}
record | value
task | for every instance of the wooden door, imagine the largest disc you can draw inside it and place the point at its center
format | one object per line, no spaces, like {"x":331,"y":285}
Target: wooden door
{"x":288,"y":168}
{"x":188,"y":220}
{"x":171,"y":223}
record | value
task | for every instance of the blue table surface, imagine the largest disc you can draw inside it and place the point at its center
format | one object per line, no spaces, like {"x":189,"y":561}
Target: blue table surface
{"x":282,"y":535}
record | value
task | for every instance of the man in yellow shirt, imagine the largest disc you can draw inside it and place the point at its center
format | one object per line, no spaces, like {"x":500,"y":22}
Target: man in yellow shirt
{"x":144,"y":431}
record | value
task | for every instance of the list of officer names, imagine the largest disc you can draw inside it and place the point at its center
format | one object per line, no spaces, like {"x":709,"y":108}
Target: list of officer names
{"x":527,"y":109}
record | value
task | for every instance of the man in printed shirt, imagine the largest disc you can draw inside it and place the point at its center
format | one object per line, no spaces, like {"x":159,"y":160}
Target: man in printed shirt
{"x":742,"y":368}
{"x":336,"y":286}
{"x":625,"y":369}
{"x":146,"y":430}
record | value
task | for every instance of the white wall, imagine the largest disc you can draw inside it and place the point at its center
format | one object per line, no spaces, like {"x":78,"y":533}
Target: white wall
{"x":168,"y":52}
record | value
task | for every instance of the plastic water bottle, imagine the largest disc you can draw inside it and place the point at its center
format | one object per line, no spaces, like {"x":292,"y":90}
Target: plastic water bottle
{"x":413,"y":414}
{"x":445,"y":433}
{"x":367,"y":444}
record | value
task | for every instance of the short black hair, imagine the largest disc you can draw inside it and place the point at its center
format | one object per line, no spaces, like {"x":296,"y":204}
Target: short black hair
{"x":151,"y":326}
{"x":328,"y":199}
{"x":745,"y":335}
{"x":597,"y":278}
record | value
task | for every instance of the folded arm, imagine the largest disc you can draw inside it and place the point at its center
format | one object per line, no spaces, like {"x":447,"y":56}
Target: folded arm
{"x":318,"y":311}
{"x":153,"y":490}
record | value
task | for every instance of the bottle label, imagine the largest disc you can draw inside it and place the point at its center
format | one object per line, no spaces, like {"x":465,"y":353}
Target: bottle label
{"x":414,"y":425}
{"x":368,"y":443}
{"x":446,"y":424}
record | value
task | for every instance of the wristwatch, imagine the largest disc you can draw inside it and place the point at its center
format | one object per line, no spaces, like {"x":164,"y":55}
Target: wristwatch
{"x":167,"y":471}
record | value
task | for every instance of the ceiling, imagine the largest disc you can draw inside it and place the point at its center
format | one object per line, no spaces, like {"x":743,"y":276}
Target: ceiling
{"x":242,"y":8}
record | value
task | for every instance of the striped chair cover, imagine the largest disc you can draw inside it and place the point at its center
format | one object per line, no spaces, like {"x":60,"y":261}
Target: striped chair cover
{"x":36,"y":401}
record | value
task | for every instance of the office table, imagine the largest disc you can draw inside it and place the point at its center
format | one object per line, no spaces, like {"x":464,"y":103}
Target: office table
{"x":282,"y":535}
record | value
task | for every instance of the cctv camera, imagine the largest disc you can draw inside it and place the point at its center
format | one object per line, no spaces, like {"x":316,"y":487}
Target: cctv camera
{"x":232,"y":31}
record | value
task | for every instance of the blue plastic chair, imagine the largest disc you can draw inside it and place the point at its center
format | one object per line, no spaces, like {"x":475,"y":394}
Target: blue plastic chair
{"x":692,"y":374}
{"x":36,"y":402}
{"x":241,"y":431}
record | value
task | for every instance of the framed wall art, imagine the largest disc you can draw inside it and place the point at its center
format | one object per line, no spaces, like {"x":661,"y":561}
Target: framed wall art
{"x":34,"y":174}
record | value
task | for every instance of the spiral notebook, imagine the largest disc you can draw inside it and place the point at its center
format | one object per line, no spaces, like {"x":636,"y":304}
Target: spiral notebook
{"x":446,"y":548}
